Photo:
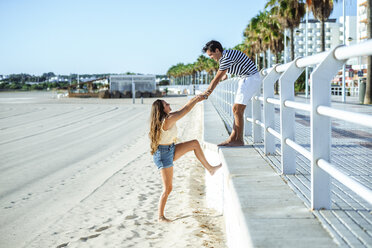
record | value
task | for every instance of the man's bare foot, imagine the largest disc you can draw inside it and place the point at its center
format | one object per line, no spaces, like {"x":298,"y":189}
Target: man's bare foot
{"x":224,"y":143}
{"x":214,"y":169}
{"x":163,"y":219}
{"x":235,"y":143}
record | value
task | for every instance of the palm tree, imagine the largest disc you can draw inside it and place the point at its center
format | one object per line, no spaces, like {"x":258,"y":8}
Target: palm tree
{"x":176,"y":71}
{"x":368,"y":95}
{"x":321,"y":9}
{"x":245,"y":48}
{"x":201,"y":64}
{"x":256,"y":34}
{"x":211,"y":68}
{"x":289,"y":14}
{"x":262,"y":33}
{"x":190,"y":71}
{"x":276,"y":35}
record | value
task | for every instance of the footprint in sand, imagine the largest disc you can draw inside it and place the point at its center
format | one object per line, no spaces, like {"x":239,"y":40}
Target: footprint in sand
{"x":142,"y":197}
{"x":149,"y":215}
{"x":108,"y":220}
{"x":131,"y":217}
{"x":121,"y":227}
{"x":91,"y":228}
{"x":135,"y":235}
{"x":84,"y":239}
{"x":62,"y":245}
{"x":102,"y":228}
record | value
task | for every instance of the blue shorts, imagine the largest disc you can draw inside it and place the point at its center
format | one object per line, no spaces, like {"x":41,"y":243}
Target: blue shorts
{"x":163,"y":157}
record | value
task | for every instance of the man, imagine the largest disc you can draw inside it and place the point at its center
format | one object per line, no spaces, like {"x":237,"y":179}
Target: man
{"x":237,"y":63}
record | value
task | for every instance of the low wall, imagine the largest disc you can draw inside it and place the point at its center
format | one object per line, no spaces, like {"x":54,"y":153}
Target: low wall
{"x":259,"y":208}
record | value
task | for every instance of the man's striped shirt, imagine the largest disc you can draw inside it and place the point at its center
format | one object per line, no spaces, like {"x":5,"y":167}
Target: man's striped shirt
{"x":237,"y":63}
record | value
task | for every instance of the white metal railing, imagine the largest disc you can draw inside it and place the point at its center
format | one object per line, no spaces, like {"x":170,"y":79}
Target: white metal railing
{"x":350,"y":91}
{"x":327,"y":64}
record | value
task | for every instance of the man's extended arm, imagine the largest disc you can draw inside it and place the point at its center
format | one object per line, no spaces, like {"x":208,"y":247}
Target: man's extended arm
{"x":221,"y":75}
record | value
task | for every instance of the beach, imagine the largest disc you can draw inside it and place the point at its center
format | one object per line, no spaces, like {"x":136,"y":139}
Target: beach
{"x":78,"y":173}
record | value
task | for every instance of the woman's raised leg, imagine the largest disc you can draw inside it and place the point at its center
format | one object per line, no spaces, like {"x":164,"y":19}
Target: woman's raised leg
{"x":167,"y":178}
{"x":193,"y":145}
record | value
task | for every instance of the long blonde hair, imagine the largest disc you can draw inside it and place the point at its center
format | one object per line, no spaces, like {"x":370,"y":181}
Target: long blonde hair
{"x":156,"y":120}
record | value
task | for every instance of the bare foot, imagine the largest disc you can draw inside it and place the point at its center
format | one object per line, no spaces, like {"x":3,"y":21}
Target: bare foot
{"x":224,"y":143}
{"x":163,"y":219}
{"x":214,"y":169}
{"x":235,"y":143}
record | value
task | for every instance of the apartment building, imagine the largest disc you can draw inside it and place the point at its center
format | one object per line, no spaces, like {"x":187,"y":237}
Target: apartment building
{"x":362,"y":28}
{"x":332,"y":37}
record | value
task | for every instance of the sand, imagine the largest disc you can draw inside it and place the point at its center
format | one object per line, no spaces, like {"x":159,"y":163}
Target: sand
{"x":78,"y":173}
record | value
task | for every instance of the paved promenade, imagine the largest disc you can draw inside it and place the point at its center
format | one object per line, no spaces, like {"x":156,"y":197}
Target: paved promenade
{"x":350,"y":220}
{"x":259,"y":208}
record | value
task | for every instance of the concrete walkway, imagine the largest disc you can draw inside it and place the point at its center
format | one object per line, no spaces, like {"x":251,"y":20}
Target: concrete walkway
{"x":350,"y":220}
{"x":260,"y":209}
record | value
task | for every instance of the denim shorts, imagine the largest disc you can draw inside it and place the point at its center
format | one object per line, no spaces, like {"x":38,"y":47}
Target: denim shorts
{"x":163,"y":157}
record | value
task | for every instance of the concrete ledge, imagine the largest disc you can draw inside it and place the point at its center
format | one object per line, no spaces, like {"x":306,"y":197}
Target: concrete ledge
{"x":214,"y":132}
{"x":260,"y":209}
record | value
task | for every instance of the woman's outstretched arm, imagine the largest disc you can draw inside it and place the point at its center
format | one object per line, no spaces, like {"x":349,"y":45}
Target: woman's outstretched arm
{"x":176,"y":115}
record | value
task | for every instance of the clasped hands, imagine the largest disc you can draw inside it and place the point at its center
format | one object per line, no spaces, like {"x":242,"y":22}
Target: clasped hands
{"x":204,"y":95}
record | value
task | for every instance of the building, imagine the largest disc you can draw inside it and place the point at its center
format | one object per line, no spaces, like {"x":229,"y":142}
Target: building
{"x":332,"y":37}
{"x":362,"y":20}
{"x":350,"y":35}
{"x":123,"y":83}
{"x":362,"y":28}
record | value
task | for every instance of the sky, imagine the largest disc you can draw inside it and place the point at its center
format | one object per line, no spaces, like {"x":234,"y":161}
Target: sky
{"x":118,"y":36}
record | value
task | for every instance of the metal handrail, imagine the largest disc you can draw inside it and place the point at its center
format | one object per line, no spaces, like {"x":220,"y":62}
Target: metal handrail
{"x":340,"y":53}
{"x":327,"y":65}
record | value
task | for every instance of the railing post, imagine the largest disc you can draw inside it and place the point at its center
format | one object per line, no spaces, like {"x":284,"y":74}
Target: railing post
{"x":225,"y":97}
{"x":269,"y":109}
{"x":287,"y":117}
{"x":256,"y":115}
{"x":320,"y":126}
{"x":232,"y":96}
{"x":229,"y":101}
{"x":247,"y":124}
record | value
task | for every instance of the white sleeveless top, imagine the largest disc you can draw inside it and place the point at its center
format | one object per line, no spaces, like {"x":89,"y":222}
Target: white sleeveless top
{"x":168,"y":136}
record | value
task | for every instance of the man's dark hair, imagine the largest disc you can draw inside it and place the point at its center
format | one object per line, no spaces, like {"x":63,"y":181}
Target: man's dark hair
{"x":212,"y":45}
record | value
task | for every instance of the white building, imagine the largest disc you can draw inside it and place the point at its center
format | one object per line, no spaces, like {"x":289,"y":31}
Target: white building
{"x":333,"y":36}
{"x":350,"y":30}
{"x":362,"y":20}
{"x":350,"y":35}
{"x":57,"y":79}
{"x":362,"y":28}
{"x":142,"y":83}
{"x":314,"y":43}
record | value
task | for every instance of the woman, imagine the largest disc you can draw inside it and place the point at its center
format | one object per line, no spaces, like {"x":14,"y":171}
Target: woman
{"x":163,"y":135}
